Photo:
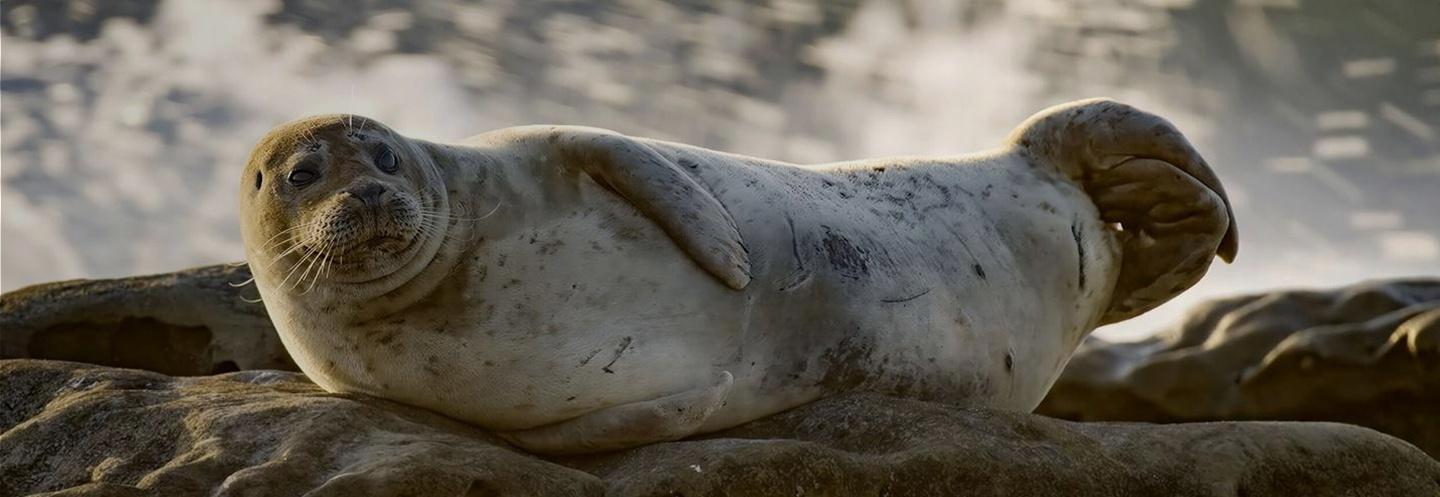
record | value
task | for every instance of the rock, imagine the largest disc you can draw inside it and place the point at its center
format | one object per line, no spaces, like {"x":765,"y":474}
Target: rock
{"x":190,"y":322}
{"x":90,"y":430}
{"x":78,"y":429}
{"x":1367,"y":354}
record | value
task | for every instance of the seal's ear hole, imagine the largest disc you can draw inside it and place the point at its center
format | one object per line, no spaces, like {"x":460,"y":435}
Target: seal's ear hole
{"x":259,"y":178}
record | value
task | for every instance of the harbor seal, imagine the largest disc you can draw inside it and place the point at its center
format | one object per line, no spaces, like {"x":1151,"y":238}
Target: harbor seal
{"x":575,"y":289}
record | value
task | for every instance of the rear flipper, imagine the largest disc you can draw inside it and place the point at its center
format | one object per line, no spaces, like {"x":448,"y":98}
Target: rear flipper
{"x":1144,"y":175}
{"x":659,"y":420}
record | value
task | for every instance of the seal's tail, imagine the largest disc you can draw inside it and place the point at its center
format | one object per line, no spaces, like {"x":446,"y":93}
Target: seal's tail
{"x":1144,"y":176}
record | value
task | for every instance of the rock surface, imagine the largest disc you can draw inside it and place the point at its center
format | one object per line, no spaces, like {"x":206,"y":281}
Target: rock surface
{"x":190,"y":322}
{"x":1367,"y":354}
{"x":77,"y":429}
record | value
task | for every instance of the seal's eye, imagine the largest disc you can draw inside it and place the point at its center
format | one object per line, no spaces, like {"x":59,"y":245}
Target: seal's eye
{"x":386,"y":160}
{"x":302,"y":177}
{"x":258,"y":178}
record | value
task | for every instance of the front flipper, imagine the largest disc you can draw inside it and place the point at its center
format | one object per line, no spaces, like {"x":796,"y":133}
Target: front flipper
{"x":1143,"y":174}
{"x":683,"y":208}
{"x":629,"y":425}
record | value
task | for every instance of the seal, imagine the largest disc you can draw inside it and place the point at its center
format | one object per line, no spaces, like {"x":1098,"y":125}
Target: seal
{"x":578,"y":290}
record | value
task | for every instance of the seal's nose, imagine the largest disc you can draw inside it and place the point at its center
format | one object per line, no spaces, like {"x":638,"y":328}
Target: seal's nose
{"x":368,"y":193}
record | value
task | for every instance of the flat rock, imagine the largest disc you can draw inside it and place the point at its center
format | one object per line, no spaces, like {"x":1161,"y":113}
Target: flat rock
{"x":76,"y":429}
{"x":1367,"y":354}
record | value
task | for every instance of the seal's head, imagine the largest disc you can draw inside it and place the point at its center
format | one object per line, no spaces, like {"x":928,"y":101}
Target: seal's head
{"x":337,"y":199}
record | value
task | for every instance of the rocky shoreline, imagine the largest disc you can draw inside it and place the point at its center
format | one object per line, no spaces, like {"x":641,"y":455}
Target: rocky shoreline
{"x":204,"y":404}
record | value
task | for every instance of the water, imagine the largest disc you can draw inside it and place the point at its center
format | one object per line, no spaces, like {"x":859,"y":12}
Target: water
{"x":124,"y":125}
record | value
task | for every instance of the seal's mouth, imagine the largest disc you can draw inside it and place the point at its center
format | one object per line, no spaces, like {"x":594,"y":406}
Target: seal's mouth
{"x":379,"y":244}
{"x":350,"y":242}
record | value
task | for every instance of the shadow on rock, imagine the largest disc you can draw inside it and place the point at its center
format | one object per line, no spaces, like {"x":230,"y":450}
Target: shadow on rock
{"x":192,"y":322}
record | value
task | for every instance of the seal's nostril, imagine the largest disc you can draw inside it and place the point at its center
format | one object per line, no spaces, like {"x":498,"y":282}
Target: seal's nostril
{"x":368,"y":193}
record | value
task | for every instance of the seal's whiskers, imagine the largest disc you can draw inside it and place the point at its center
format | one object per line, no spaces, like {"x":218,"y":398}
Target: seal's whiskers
{"x":324,"y":260}
{"x":293,"y":248}
{"x":296,"y":267}
{"x":303,"y":274}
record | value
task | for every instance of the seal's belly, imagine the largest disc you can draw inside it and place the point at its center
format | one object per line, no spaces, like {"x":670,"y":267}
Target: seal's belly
{"x":565,"y":317}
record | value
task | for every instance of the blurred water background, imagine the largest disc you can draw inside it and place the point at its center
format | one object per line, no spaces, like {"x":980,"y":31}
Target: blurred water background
{"x":125,"y":123}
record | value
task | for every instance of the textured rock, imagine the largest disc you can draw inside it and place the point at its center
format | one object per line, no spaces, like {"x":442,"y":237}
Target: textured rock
{"x":79,"y":429}
{"x":103,"y":431}
{"x":185,"y":323}
{"x":1368,"y":354}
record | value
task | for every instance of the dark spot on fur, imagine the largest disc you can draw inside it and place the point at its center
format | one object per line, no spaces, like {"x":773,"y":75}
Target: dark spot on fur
{"x":432,"y":366}
{"x":570,"y":398}
{"x":624,"y":344}
{"x":1080,"y":249}
{"x":1009,"y":362}
{"x":906,"y":299}
{"x":979,"y":270}
{"x":846,"y":365}
{"x":387,"y":339}
{"x":630,"y":233}
{"x":845,"y":257}
{"x":550,"y":247}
